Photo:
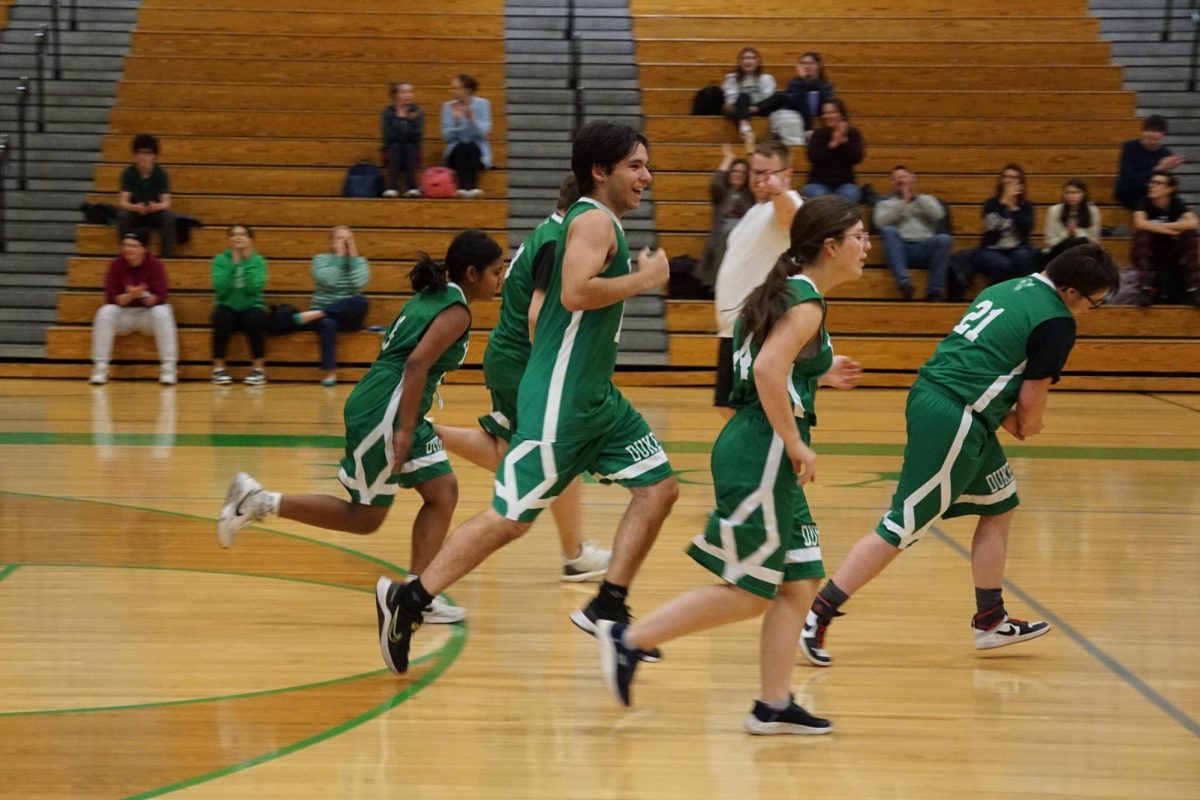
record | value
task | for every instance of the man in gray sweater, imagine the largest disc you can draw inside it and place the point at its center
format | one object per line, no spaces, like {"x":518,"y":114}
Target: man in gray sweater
{"x":911,"y":226}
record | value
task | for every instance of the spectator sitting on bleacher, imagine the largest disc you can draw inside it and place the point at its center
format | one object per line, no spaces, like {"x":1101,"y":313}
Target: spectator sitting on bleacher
{"x":1075,"y":220}
{"x":1140,"y":159}
{"x":466,"y":123}
{"x":337,"y":303}
{"x":145,"y":199}
{"x":729,"y":190}
{"x":239,"y":275}
{"x":135,"y":301}
{"x":1164,"y":245}
{"x":745,"y":89}
{"x":809,"y":91}
{"x":913,"y":229}
{"x":402,"y":124}
{"x":1005,"y":251}
{"x":833,"y":150}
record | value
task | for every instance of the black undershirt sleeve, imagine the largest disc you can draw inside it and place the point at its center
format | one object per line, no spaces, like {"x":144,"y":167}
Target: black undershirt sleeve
{"x":543,"y":265}
{"x":1047,"y":349}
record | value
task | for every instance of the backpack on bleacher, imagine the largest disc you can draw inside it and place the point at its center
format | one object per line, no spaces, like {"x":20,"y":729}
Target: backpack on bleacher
{"x":363,"y":180}
{"x":708,"y":102}
{"x":438,"y":183}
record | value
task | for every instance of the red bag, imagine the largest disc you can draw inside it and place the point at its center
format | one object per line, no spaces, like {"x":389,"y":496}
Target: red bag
{"x":438,"y":182}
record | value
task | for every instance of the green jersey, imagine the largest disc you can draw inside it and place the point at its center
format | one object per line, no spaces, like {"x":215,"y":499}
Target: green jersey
{"x":983,"y":360}
{"x":567,"y":392}
{"x":408,"y":328}
{"x":814,"y":360}
{"x":510,"y":338}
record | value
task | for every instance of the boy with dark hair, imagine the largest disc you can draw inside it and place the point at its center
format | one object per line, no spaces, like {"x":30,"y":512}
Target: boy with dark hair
{"x":145,"y":198}
{"x":993,"y":370}
{"x":1140,"y":159}
{"x":570,"y":417}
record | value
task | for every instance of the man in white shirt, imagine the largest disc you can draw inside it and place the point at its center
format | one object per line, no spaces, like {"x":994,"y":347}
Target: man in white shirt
{"x":754,"y":246}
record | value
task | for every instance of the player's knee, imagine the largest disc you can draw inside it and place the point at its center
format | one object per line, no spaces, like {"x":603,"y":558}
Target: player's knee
{"x":367,"y":519}
{"x":661,"y":495}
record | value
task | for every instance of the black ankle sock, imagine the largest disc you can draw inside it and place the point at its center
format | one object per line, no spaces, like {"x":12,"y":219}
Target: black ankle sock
{"x":987,"y":599}
{"x":413,"y":597}
{"x":828,"y":601}
{"x":610,"y":599}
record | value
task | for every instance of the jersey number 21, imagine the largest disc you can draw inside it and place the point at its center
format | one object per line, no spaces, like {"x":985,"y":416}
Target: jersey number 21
{"x":984,"y":313}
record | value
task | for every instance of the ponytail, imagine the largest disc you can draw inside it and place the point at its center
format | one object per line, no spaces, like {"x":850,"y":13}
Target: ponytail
{"x":427,"y":274}
{"x":768,"y":303}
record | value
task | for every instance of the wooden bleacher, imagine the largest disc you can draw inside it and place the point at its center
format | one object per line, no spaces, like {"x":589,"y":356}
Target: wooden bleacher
{"x":953,"y":91}
{"x":264,"y":138}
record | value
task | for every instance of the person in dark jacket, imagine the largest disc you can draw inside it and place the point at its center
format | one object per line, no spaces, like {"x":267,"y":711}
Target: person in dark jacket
{"x":1005,"y":252}
{"x":401,"y":126}
{"x":1140,"y":159}
{"x":809,"y":91}
{"x":833,"y":150}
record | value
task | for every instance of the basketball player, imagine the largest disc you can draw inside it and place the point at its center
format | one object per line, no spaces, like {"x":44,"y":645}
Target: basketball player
{"x":762,"y":540}
{"x":504,"y":363}
{"x":389,"y":442}
{"x":570,"y":417}
{"x":993,"y":370}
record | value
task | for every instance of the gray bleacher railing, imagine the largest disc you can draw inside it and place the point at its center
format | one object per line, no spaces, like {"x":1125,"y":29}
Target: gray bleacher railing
{"x":575,"y":56}
{"x":1195,"y":18}
{"x":3,"y":175}
{"x":45,"y":36}
{"x":1166,"y":30}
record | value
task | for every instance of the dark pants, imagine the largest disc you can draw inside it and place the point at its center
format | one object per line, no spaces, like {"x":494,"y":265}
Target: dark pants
{"x":252,"y":321}
{"x":162,"y":221}
{"x":403,"y":158}
{"x":344,"y":315}
{"x":1003,"y":265}
{"x":1166,"y":265}
{"x":466,"y":161}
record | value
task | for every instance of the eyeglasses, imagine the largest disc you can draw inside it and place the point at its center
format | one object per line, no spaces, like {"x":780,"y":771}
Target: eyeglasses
{"x":1094,"y":304}
{"x":863,"y":238}
{"x":1159,"y":182}
{"x":762,"y":173}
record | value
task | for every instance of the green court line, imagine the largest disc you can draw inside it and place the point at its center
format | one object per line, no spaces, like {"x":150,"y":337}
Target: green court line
{"x":449,"y":653}
{"x":8,"y":569}
{"x":457,"y":629}
{"x":258,"y":441}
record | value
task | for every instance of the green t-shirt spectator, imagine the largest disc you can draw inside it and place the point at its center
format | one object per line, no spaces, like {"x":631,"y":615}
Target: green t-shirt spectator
{"x":239,"y":286}
{"x":145,"y":190}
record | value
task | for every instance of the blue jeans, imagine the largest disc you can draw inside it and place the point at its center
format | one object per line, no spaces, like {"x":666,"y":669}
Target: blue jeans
{"x":846,"y":190}
{"x":933,"y":253}
{"x":346,"y":315}
{"x":1003,"y":265}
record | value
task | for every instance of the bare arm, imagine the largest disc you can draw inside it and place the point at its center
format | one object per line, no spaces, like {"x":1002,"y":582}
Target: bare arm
{"x":1188,"y":222}
{"x":444,"y":331}
{"x":125,"y":202}
{"x":783,"y":202}
{"x":1141,"y":222}
{"x":591,"y":242}
{"x":1026,"y":418}
{"x":772,"y":368}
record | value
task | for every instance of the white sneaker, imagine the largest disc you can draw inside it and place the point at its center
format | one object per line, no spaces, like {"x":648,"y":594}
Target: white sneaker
{"x":1010,"y":631}
{"x":592,"y":562}
{"x":244,"y":503}
{"x":99,"y":377}
{"x":391,"y":193}
{"x":413,"y":193}
{"x":475,"y":193}
{"x":439,"y":612}
{"x":461,"y":193}
{"x":168,"y":377}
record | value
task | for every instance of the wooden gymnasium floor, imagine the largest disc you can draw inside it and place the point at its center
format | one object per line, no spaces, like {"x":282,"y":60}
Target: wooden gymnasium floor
{"x":139,"y":660}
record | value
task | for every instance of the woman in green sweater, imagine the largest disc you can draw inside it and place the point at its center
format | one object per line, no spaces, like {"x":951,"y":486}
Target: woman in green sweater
{"x":238,"y":277}
{"x":338,"y":304}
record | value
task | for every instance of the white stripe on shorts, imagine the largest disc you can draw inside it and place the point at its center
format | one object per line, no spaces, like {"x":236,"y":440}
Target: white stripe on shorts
{"x":940,"y":482}
{"x":765,"y":574}
{"x":802,"y":555}
{"x":424,"y":461}
{"x":989,"y":499}
{"x":640,"y":467}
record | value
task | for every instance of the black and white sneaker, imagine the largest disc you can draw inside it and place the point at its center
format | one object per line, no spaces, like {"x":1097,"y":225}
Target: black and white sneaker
{"x":245,"y":503}
{"x":812,"y":641}
{"x":617,"y":662}
{"x":765,"y":721}
{"x":396,"y":626}
{"x":587,"y":618}
{"x":1009,"y":631}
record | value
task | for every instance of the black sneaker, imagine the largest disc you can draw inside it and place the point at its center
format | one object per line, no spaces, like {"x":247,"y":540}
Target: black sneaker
{"x":617,"y":662}
{"x":396,"y":626}
{"x":764,"y":720}
{"x":586,"y":619}
{"x":812,"y":641}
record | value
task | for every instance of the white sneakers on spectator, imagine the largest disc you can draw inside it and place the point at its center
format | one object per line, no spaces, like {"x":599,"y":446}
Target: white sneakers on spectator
{"x":391,"y":193}
{"x":168,"y":377}
{"x":413,"y":193}
{"x":99,"y":376}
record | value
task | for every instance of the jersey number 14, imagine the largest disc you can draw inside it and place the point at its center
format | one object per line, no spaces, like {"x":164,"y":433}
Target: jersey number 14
{"x":984,"y":312}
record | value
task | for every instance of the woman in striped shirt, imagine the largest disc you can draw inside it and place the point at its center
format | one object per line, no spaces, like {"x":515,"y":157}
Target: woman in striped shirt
{"x":338,"y":303}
